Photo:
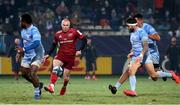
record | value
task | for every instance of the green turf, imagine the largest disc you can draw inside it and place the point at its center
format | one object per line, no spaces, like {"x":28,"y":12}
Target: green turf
{"x":81,"y":91}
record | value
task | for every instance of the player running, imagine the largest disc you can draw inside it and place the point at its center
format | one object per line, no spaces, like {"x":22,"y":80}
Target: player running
{"x":33,"y":52}
{"x":139,"y":41}
{"x":64,"y":59}
{"x":153,"y":38}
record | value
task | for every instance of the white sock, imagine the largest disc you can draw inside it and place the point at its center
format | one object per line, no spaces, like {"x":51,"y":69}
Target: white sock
{"x":132,"y":80}
{"x":117,"y":85}
{"x":164,"y":74}
{"x":36,"y":91}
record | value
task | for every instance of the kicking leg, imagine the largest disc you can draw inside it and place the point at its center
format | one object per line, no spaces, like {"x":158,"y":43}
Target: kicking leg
{"x":57,"y":71}
{"x":132,"y":79}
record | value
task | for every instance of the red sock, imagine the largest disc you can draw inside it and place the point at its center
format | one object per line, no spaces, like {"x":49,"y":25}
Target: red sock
{"x":53,"y":78}
{"x":65,"y":82}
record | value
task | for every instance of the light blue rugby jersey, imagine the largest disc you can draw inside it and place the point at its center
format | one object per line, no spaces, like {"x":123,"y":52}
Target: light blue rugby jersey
{"x":152,"y":43}
{"x":30,"y":35}
{"x":136,"y":39}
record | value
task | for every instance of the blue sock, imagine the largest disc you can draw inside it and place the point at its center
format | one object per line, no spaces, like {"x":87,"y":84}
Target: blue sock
{"x":117,"y":85}
{"x":164,"y":74}
{"x":132,"y":80}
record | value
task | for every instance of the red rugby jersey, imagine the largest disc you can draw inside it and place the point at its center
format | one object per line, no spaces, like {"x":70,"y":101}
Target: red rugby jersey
{"x":67,"y":41}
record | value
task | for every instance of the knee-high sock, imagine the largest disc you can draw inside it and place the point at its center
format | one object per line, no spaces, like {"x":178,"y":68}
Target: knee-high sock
{"x":164,"y":74}
{"x":117,"y":85}
{"x":132,"y":80}
{"x":53,"y":78}
{"x":65,"y":82}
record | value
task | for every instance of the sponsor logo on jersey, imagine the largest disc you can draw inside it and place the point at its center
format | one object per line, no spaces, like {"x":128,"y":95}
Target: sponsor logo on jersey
{"x":66,"y":41}
{"x":70,"y":34}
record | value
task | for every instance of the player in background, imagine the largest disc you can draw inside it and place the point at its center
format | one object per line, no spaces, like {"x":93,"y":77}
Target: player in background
{"x":153,"y":38}
{"x":12,"y":53}
{"x":33,"y":53}
{"x":139,"y":41}
{"x":64,"y":59}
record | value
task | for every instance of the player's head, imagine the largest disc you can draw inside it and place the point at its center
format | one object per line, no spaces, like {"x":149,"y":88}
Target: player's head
{"x":139,"y":18}
{"x":89,"y":41}
{"x":25,"y":20}
{"x":131,"y":24}
{"x":65,"y":24}
{"x":17,"y":41}
{"x":173,"y":40}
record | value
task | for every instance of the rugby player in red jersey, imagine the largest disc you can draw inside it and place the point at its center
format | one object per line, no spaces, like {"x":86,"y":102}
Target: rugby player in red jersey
{"x":64,"y":59}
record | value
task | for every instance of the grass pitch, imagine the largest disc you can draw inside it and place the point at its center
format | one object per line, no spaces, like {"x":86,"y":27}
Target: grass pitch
{"x":81,"y":91}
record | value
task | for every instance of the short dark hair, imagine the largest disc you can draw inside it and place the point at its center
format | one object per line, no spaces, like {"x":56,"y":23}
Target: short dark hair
{"x":138,"y":15}
{"x":26,"y":18}
{"x":131,"y":21}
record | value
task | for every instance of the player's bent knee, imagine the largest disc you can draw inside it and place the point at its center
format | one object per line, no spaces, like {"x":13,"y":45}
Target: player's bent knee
{"x":58,"y":71}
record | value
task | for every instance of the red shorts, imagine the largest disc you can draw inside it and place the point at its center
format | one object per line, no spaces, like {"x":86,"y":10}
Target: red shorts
{"x":68,"y":60}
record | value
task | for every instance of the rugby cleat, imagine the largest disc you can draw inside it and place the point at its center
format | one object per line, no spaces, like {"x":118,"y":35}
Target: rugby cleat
{"x":87,"y":77}
{"x":164,"y":78}
{"x":94,"y":77}
{"x":37,"y":96}
{"x":63,"y":91}
{"x":112,"y":89}
{"x":50,"y":88}
{"x":130,"y":93}
{"x":175,"y":77}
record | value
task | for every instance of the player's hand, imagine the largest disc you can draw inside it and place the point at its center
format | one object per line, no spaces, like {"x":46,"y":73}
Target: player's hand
{"x":78,"y":53}
{"x":19,"y":49}
{"x":130,"y":55}
{"x":139,"y":58}
{"x":46,"y":57}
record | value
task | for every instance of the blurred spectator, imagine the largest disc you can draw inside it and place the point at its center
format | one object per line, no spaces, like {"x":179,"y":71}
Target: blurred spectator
{"x":12,"y":53}
{"x":114,"y":22}
{"x":62,"y":9}
{"x":90,"y":56}
{"x":172,"y":54}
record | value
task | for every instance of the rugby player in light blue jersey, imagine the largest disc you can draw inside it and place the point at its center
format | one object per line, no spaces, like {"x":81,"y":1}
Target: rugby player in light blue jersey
{"x":140,"y":55}
{"x":33,"y":53}
{"x":153,"y":38}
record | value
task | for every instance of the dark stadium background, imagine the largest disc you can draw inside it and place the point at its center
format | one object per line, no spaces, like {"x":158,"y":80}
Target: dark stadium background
{"x":102,"y":20}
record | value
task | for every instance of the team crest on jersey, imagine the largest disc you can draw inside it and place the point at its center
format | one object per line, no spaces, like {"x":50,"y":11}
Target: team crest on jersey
{"x":70,"y":34}
{"x":60,"y":37}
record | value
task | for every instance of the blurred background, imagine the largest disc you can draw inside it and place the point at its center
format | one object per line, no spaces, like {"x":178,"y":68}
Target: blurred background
{"x":101,"y":20}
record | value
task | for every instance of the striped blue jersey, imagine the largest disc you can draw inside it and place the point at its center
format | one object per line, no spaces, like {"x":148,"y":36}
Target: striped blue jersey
{"x":136,"y":39}
{"x":152,"y":43}
{"x":29,"y":37}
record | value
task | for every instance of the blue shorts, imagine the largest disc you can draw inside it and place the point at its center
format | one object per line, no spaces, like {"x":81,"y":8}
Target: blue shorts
{"x":146,"y":59}
{"x":155,"y":57}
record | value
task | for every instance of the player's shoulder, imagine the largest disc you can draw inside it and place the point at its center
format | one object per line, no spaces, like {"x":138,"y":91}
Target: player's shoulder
{"x":146,"y":25}
{"x":34,"y":29}
{"x":141,"y":31}
{"x":58,"y":32}
{"x":73,"y":30}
